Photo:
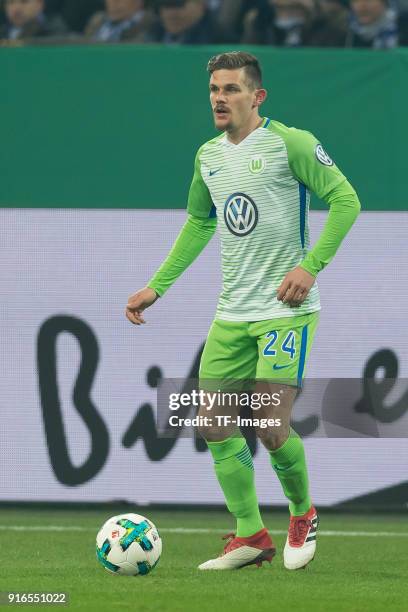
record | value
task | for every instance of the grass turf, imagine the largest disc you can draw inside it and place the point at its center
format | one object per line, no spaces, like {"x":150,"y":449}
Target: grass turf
{"x":350,"y":573}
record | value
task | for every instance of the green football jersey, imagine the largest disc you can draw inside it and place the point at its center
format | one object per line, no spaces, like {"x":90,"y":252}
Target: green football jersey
{"x":259,"y":190}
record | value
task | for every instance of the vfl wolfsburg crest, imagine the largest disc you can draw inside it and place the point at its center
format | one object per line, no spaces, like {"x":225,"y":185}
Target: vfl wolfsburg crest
{"x":240,"y":214}
{"x":257,"y":164}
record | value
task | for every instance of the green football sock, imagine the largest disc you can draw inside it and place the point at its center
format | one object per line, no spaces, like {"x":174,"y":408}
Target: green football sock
{"x":289,"y":463}
{"x":235,"y":472}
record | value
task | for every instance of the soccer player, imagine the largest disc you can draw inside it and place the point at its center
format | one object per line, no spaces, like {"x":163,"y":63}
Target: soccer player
{"x":253,"y":181}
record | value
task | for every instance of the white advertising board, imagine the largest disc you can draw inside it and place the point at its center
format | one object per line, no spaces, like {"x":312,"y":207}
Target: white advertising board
{"x":75,"y":372}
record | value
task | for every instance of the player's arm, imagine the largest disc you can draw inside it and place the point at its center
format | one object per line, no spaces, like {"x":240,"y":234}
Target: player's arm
{"x":192,"y":239}
{"x":312,"y":167}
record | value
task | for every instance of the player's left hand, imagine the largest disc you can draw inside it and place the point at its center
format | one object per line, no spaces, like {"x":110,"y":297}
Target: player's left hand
{"x":295,"y":287}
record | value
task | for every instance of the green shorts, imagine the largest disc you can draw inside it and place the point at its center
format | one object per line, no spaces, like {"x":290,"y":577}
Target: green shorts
{"x":275,"y":350}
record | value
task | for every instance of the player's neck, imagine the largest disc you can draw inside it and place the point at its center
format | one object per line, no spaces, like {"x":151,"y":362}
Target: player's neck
{"x":238,"y":135}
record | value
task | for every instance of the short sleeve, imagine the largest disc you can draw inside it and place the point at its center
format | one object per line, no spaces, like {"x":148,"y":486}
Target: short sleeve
{"x":311,"y":164}
{"x":200,"y":203}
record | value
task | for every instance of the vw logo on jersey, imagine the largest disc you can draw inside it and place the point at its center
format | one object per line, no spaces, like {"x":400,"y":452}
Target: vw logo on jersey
{"x":322,"y":156}
{"x":240,"y":214}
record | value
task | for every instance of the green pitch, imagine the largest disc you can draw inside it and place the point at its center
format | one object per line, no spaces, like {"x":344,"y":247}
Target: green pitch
{"x":352,"y":572}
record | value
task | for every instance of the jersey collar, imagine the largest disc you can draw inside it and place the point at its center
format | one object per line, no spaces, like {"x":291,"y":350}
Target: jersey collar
{"x":265,"y":122}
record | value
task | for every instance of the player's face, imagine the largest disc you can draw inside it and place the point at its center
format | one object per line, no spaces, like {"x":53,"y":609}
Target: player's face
{"x":232,"y":99}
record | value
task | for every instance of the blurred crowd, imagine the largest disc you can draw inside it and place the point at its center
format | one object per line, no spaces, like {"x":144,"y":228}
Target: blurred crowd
{"x":376,"y":24}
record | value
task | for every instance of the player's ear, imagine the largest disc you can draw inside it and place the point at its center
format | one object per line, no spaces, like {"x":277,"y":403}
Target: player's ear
{"x":260,"y":96}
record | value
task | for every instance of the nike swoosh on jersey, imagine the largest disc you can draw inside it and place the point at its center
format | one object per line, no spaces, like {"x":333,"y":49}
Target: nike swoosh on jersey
{"x":278,"y":367}
{"x":212,"y":172}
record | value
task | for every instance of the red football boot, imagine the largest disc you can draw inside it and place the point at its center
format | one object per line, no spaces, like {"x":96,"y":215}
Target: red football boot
{"x":239,"y":552}
{"x":301,"y":541}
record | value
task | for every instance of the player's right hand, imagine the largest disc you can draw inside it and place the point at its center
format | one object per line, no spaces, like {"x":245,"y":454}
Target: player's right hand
{"x":138,"y":302}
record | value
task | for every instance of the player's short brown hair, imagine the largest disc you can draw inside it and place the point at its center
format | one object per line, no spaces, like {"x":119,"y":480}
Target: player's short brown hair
{"x":235,"y":60}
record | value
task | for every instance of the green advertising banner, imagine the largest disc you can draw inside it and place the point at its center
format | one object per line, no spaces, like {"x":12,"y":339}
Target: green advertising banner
{"x":118,"y":126}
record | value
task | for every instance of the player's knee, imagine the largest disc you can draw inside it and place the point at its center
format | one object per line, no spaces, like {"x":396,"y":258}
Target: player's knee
{"x":212,"y":433}
{"x":272,"y":438}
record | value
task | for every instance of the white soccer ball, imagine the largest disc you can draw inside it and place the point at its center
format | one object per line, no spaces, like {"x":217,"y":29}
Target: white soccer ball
{"x":128,"y":545}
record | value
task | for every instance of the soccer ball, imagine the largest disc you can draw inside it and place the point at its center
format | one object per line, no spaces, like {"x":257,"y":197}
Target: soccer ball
{"x":128,"y":544}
